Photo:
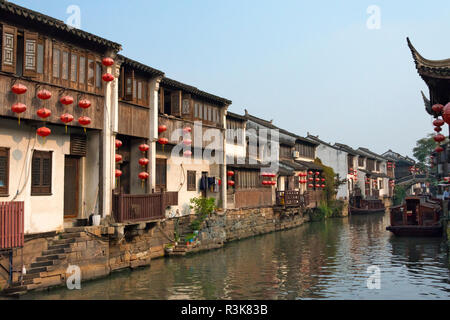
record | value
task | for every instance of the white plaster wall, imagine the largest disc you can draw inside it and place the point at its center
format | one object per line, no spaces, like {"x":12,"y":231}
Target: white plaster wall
{"x":177,"y":180}
{"x":337,"y":160}
{"x":42,"y":213}
{"x":91,"y":180}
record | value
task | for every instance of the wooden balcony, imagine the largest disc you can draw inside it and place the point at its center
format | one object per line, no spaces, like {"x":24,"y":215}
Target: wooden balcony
{"x":142,"y":207}
{"x":11,"y":224}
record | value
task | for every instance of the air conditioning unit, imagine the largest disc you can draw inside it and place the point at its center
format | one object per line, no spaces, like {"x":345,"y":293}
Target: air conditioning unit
{"x":295,"y":154}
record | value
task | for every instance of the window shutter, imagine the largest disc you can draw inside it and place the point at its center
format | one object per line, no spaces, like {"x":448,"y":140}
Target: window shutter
{"x":78,"y":145}
{"x":41,"y":173}
{"x":30,"y":53}
{"x":161,"y":100}
{"x":36,"y":172}
{"x":4,"y":171}
{"x":129,"y":86}
{"x":175,"y":103}
{"x":122,"y":83}
{"x":9,"y":45}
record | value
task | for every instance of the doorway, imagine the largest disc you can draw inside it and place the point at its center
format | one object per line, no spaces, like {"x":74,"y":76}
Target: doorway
{"x":71,"y":186}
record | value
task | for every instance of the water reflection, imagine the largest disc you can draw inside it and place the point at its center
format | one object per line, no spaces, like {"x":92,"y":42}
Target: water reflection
{"x":321,"y":260}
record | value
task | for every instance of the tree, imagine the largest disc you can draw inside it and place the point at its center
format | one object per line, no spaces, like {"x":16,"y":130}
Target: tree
{"x":423,"y":149}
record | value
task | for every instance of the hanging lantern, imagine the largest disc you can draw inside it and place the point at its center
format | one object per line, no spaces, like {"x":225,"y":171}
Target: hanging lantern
{"x":437,"y":129}
{"x":317,"y":173}
{"x":437,"y":108}
{"x":322,"y":186}
{"x":187,"y":153}
{"x":310,"y":185}
{"x":266,"y":182}
{"x":187,"y":142}
{"x":84,"y":103}
{"x":317,"y":179}
{"x":118,"y":143}
{"x":230,"y":183}
{"x":44,"y":113}
{"x":18,"y":108}
{"x":18,"y":88}
{"x":317,"y":185}
{"x":268,"y":174}
{"x":163,"y":141}
{"x":310,"y":179}
{"x":43,"y":132}
{"x":118,"y":157}
{"x":439,"y":149}
{"x":108,"y":77}
{"x":220,"y":182}
{"x":84,"y":121}
{"x":446,"y":113}
{"x":118,"y":173}
{"x":66,"y":100}
{"x":439,"y":138}
{"x":144,"y":147}
{"x":310,"y":173}
{"x":107,"y":62}
{"x":143,"y":161}
{"x":66,"y":118}
{"x":323,"y":179}
{"x":162,"y":128}
{"x":143,"y":176}
{"x":273,"y":182}
{"x":438,"y":123}
{"x":187,"y":130}
{"x":44,"y":94}
{"x":230,"y":173}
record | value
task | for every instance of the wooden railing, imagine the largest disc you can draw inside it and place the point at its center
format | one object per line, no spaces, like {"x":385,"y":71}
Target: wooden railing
{"x":11,"y":225}
{"x":142,"y":207}
{"x":290,"y":198}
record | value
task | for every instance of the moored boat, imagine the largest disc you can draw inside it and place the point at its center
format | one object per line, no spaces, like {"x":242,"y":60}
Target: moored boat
{"x":418,"y":216}
{"x":365,"y":206}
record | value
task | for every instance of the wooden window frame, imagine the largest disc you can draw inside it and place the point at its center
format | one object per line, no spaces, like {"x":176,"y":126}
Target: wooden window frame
{"x":160,"y":186}
{"x":56,"y":78}
{"x":30,"y":37}
{"x":6,"y":66}
{"x":82,"y":85}
{"x":4,"y":190}
{"x":41,"y":189}
{"x":191,"y":180}
{"x":90,"y":86}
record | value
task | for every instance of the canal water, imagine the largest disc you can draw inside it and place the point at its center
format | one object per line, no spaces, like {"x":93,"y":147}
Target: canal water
{"x":319,"y":260}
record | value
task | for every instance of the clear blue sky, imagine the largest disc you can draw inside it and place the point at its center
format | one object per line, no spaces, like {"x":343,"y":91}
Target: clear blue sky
{"x":311,"y":66}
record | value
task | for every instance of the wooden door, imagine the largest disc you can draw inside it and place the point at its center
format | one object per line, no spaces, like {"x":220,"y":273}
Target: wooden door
{"x":71,"y":187}
{"x":161,"y":175}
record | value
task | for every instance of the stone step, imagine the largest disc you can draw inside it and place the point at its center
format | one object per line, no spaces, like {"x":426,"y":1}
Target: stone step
{"x":59,"y":246}
{"x":71,"y":235}
{"x":74,"y":229}
{"x":62,"y":241}
{"x":42,"y":264}
{"x":31,"y":276}
{"x":14,"y":290}
{"x":51,"y":257}
{"x":37,"y":270}
{"x":53,"y":252}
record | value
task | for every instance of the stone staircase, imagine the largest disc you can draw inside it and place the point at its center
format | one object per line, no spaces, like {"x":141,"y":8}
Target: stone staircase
{"x":49,"y":268}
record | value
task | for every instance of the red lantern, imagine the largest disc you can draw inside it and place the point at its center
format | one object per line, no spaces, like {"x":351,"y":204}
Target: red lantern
{"x":268,"y":174}
{"x":18,"y":108}
{"x":163,"y":141}
{"x":44,"y":94}
{"x":439,"y":138}
{"x":187,"y":130}
{"x":323,"y":179}
{"x":439,"y":149}
{"x":18,"y":88}
{"x":273,"y":183}
{"x":230,"y":183}
{"x":43,"y":132}
{"x":66,"y":100}
{"x":84,"y":121}
{"x":108,"y":77}
{"x":118,"y":158}
{"x":311,"y":179}
{"x":310,"y":172}
{"x":144,"y":147}
{"x":162,"y":128}
{"x":143,"y":176}
{"x":107,"y":62}
{"x":317,"y":179}
{"x":317,"y":173}
{"x":44,"y":113}
{"x":118,"y":143}
{"x":446,"y":113}
{"x":143,"y":161}
{"x":438,"y":122}
{"x":322,"y":186}
{"x":230,"y":173}
{"x":187,"y":153}
{"x":118,"y":173}
{"x":437,"y":129}
{"x":84,"y":103}
{"x":187,"y":142}
{"x":437,"y":108}
{"x":310,"y":186}
{"x":266,"y":182}
{"x":66,"y":118}
{"x":317,"y":185}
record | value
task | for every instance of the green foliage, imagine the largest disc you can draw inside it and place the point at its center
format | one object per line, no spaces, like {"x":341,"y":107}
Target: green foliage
{"x":332,"y":182}
{"x":399,"y":194}
{"x":326,"y":210}
{"x":203,"y":208}
{"x":423,"y":149}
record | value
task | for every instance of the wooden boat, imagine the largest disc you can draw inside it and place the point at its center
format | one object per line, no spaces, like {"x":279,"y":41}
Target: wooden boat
{"x":418,"y":216}
{"x":358,"y":205}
